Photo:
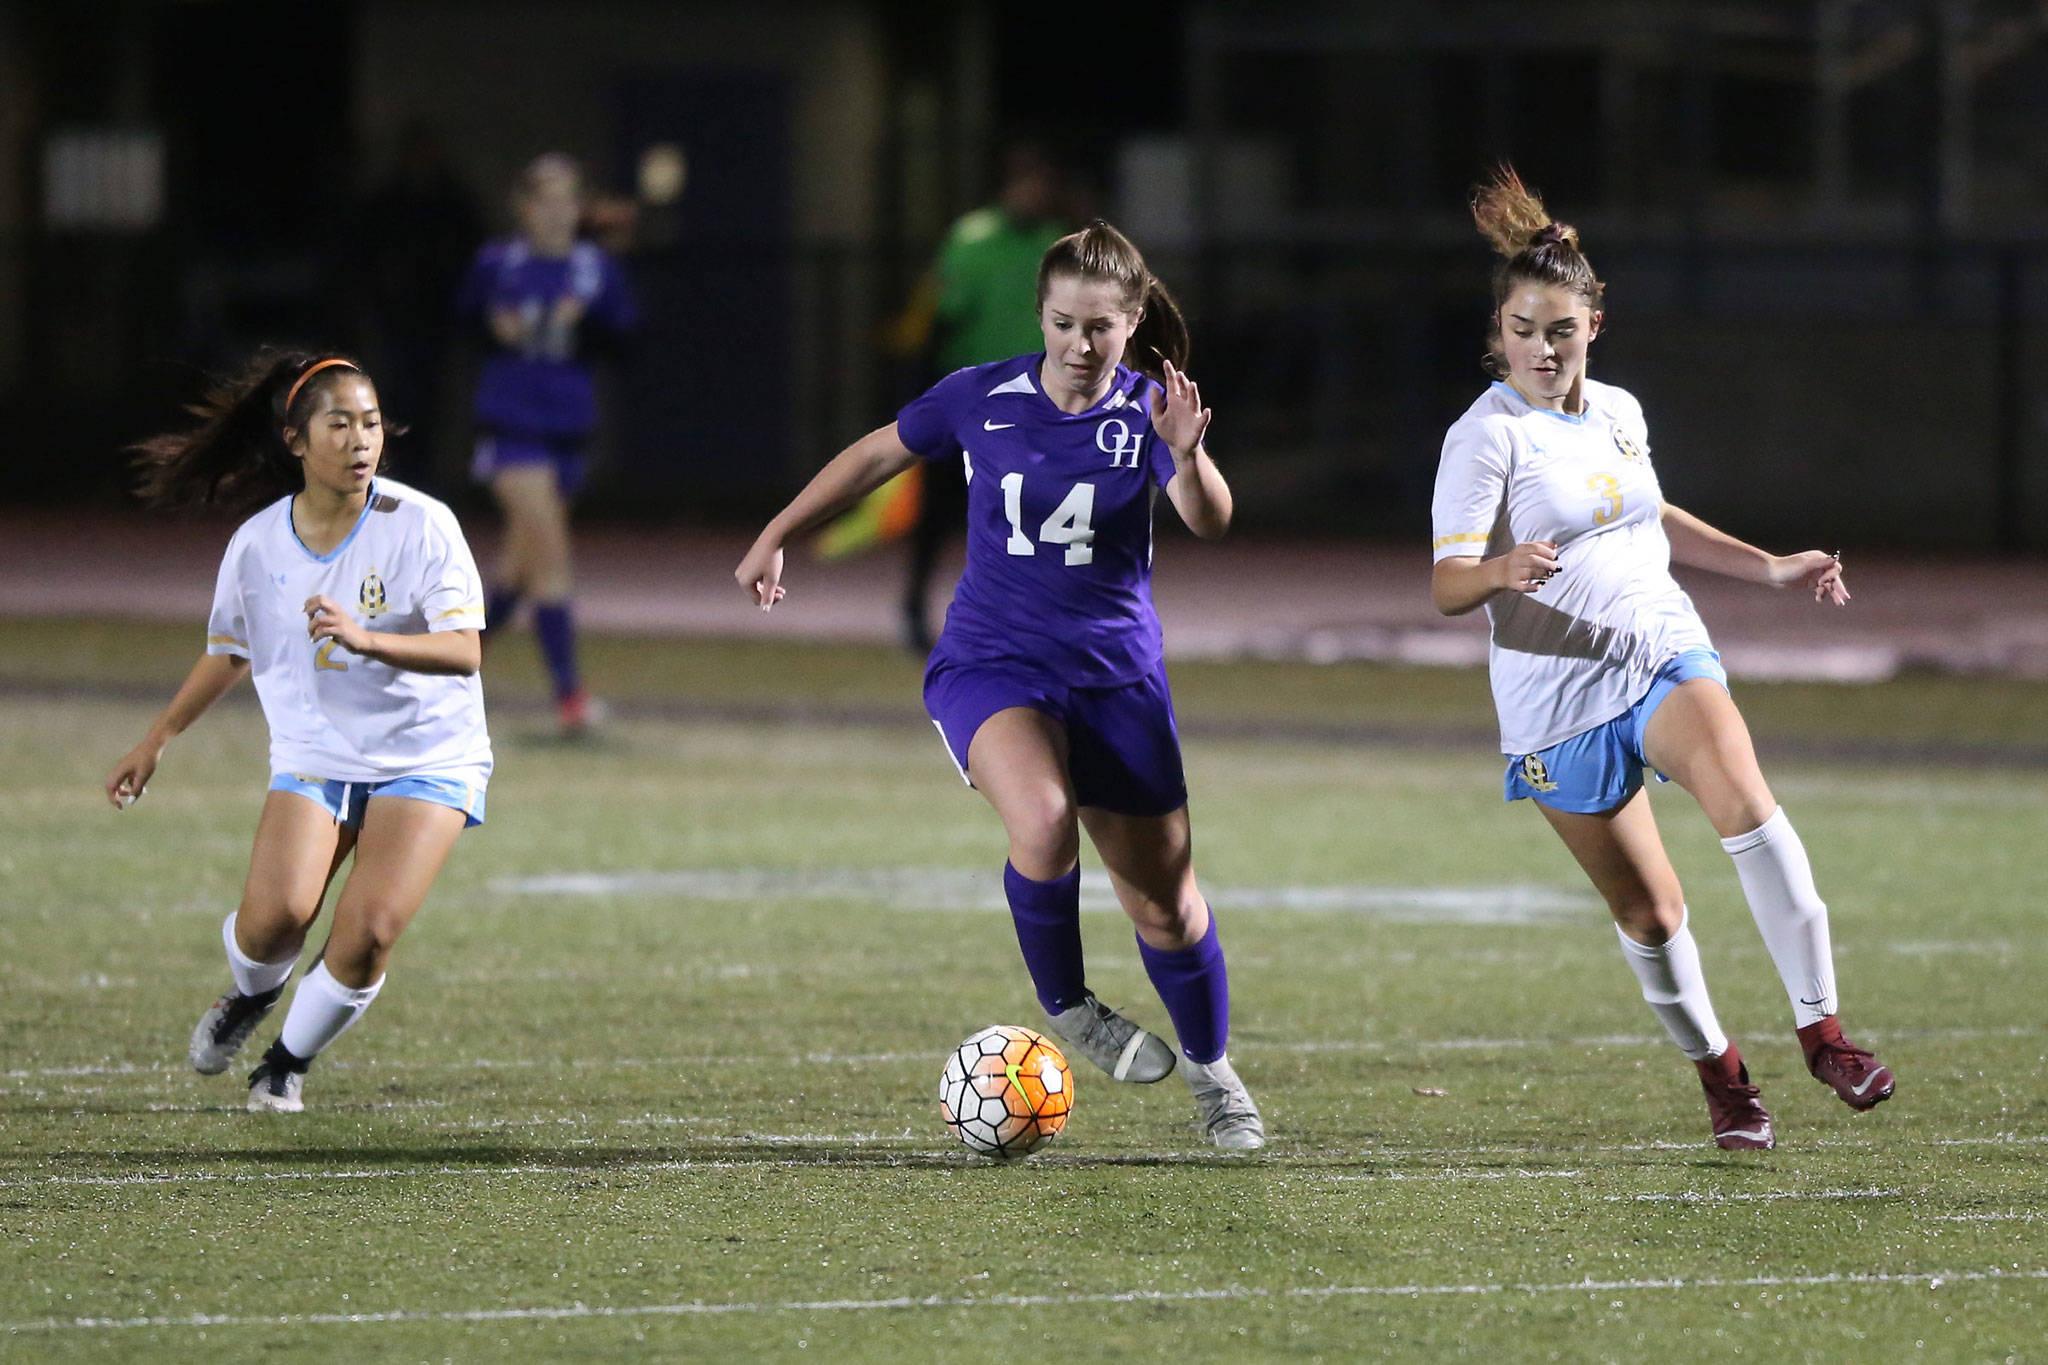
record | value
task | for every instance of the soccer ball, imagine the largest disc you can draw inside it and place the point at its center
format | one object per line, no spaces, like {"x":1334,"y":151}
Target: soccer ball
{"x":1006,"y":1092}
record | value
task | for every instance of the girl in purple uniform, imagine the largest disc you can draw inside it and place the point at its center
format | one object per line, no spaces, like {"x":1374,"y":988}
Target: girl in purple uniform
{"x":1048,"y":684}
{"x":545,"y":300}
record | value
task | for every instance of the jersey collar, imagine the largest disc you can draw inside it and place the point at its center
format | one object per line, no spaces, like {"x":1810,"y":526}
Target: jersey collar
{"x":369,"y":501}
{"x":1121,"y":391}
{"x":1577,"y":419}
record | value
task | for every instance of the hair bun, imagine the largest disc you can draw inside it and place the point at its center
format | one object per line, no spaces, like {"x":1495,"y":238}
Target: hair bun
{"x":1555,"y":232}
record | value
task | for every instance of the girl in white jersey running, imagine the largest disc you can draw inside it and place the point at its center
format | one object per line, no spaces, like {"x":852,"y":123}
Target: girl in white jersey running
{"x":355,"y":602}
{"x":1548,"y":514}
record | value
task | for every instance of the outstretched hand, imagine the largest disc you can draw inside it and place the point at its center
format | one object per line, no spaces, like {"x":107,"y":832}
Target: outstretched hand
{"x":1178,"y":415}
{"x":1816,"y":569}
{"x":760,"y":574}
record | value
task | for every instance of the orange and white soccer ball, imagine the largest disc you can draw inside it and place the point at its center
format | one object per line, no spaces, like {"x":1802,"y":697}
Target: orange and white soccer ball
{"x":1006,"y":1091}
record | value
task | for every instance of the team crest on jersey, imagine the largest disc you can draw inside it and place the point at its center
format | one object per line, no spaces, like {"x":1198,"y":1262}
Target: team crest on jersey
{"x":371,"y":597}
{"x":1115,"y":439}
{"x":1537,"y":774}
{"x":1629,"y":449}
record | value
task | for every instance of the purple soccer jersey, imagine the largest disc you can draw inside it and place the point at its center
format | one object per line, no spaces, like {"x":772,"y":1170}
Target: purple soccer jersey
{"x":544,"y":388}
{"x":1059,"y":522}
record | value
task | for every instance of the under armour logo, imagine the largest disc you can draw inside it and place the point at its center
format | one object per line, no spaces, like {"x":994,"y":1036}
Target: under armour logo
{"x":1119,"y":443}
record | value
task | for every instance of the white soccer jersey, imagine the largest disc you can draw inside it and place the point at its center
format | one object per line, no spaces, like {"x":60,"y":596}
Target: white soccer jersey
{"x":1583,"y":648}
{"x":333,"y":714}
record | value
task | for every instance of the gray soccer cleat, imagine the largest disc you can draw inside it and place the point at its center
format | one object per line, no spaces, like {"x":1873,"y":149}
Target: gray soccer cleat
{"x":1112,"y":1042}
{"x":1224,"y":1107}
{"x":225,"y":1027}
{"x":278,"y":1083}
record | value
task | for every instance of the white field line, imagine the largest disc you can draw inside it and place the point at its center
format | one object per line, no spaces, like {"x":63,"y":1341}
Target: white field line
{"x":1714,"y":1197}
{"x":1983,"y":1217}
{"x":1395,"y":1045}
{"x":699,"y":1308}
{"x":1312,"y":1169}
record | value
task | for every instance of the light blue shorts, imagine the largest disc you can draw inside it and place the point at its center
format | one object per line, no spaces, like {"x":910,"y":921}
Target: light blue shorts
{"x":346,"y":801}
{"x":1602,"y":767}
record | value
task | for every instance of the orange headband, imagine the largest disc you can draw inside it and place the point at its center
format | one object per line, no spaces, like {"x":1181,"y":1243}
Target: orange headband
{"x":308,"y":373}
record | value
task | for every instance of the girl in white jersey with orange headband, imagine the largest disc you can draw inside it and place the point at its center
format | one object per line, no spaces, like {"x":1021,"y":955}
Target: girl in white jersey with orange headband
{"x":355,"y":602}
{"x":1548,"y":514}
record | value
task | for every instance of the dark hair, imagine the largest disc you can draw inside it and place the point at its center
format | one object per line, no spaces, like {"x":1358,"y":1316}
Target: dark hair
{"x":1100,"y":252}
{"x":1533,"y":248}
{"x":236,"y":459}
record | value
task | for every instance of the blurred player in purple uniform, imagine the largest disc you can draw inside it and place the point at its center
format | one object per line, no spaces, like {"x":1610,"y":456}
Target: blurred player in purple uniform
{"x":546,"y":301}
{"x":1048,"y":683}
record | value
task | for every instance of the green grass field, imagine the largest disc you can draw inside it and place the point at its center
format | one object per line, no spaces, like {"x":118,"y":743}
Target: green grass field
{"x":654,"y":1074}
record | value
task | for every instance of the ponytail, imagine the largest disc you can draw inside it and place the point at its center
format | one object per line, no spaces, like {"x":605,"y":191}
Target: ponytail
{"x":1100,"y":252}
{"x":1532,"y":247}
{"x":236,"y":458}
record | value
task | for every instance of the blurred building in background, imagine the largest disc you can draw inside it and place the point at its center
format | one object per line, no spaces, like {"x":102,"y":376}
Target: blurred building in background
{"x":1821,"y":222}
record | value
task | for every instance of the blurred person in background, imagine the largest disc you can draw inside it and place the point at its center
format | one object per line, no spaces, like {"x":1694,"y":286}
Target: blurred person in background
{"x":546,"y":304}
{"x":1048,"y":684}
{"x":1548,"y":514}
{"x":353,"y":601}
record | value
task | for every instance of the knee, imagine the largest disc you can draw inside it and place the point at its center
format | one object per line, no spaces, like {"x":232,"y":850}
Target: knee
{"x":1172,"y":921}
{"x":1045,"y":840}
{"x":1651,"y":920}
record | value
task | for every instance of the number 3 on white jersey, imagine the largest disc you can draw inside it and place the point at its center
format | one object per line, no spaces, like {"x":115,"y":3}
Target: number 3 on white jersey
{"x":1610,"y":498}
{"x":1068,"y":525}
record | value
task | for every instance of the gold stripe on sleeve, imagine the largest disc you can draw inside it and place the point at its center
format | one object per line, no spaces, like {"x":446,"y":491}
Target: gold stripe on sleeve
{"x":1468,"y":538}
{"x":227,"y":640}
{"x":460,"y":611}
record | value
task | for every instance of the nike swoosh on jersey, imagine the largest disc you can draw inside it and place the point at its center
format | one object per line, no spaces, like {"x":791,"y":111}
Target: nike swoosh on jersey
{"x":987,"y":425}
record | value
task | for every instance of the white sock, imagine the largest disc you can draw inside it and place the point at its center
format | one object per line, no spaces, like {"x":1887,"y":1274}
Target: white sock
{"x":1676,"y":990}
{"x":253,"y":977}
{"x":322,"y":1009}
{"x":1789,"y":913}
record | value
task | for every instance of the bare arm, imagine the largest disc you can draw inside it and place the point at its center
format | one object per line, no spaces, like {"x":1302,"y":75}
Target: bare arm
{"x":206,"y":684}
{"x":457,"y":652}
{"x":848,"y":477}
{"x":1462,"y":582}
{"x":1699,"y":546}
{"x":1196,"y":490}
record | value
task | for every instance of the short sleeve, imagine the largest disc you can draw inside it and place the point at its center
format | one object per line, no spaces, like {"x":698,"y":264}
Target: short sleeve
{"x":929,"y":424}
{"x":227,"y":625}
{"x":451,"y":590}
{"x":1471,"y":488}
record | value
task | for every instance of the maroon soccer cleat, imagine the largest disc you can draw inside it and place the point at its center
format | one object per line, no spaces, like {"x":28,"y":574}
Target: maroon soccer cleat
{"x":1741,"y":1124}
{"x":1860,"y":1079}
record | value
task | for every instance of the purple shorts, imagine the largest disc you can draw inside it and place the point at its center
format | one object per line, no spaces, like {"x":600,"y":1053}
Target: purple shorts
{"x":1123,"y":748}
{"x":498,"y":451}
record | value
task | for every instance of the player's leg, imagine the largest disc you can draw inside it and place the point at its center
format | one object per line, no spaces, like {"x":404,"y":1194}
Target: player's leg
{"x":298,"y":846}
{"x":1697,"y":737}
{"x":1150,"y":863}
{"x":533,"y":495}
{"x":399,"y":853}
{"x":1624,"y":857}
{"x":1018,"y":761}
{"x":515,"y":552}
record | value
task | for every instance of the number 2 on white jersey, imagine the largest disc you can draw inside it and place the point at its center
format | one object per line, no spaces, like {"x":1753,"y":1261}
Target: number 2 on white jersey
{"x":1069,"y":524}
{"x":1610,"y":496}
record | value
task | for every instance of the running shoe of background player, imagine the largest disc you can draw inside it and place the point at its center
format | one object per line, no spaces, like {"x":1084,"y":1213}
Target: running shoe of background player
{"x":1735,"y":1107}
{"x":226,"y":1026}
{"x":1860,"y":1079}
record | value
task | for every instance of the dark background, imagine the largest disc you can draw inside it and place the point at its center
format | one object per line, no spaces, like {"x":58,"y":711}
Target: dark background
{"x":1821,"y":225}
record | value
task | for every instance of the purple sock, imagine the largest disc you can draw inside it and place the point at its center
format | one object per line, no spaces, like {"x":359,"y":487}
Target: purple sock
{"x":1048,"y":919}
{"x":1195,"y":989}
{"x":499,"y":606}
{"x":557,"y":631}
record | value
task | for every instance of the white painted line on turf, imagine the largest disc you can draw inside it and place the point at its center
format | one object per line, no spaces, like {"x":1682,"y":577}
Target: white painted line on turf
{"x":1458,"y":1175}
{"x":929,"y":888}
{"x":1714,"y":1197}
{"x":699,"y":1308}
